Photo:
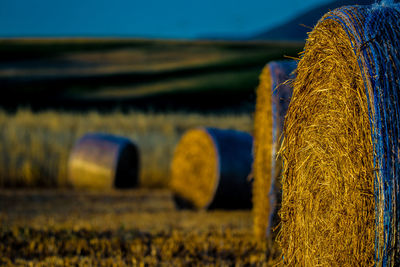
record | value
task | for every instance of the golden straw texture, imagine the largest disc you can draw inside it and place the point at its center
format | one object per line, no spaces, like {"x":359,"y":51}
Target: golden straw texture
{"x":273,"y":96}
{"x":327,"y":209}
{"x":194,"y":169}
{"x":262,"y":154}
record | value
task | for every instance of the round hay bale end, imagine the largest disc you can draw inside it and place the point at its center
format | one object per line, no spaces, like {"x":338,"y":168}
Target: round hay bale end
{"x":340,"y":199}
{"x":103,"y":161}
{"x":273,"y":97}
{"x":210,"y":169}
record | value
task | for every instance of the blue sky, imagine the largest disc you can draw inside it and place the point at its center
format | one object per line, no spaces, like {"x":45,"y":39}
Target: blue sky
{"x":148,"y":18}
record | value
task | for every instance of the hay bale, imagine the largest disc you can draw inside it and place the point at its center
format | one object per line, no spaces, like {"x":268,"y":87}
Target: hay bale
{"x":210,"y":168}
{"x":340,"y":200}
{"x":103,"y":161}
{"x":273,"y":96}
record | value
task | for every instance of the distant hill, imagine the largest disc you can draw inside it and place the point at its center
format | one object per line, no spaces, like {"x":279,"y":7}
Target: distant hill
{"x":125,"y":74}
{"x":294,"y":30}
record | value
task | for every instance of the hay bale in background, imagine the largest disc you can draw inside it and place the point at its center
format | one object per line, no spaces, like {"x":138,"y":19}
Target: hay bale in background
{"x":340,"y":201}
{"x":273,"y":96}
{"x":103,"y":161}
{"x":210,"y":168}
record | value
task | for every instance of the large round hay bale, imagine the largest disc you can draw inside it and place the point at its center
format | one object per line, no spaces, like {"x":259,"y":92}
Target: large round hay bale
{"x":210,"y":169}
{"x":340,"y":200}
{"x":273,"y":97}
{"x":103,"y":161}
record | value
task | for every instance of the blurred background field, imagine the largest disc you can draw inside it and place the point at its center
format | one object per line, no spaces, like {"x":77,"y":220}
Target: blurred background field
{"x":35,"y":146}
{"x":149,"y":91}
{"x":84,"y":74}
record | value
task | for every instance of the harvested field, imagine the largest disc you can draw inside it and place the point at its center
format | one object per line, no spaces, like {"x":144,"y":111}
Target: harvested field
{"x":134,"y":227}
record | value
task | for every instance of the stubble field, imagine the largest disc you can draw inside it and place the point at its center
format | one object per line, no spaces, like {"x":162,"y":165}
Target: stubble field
{"x":119,"y":228}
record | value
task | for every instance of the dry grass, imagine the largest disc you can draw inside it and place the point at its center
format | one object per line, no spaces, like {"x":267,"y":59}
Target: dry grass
{"x":328,"y":199}
{"x":34,"y":147}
